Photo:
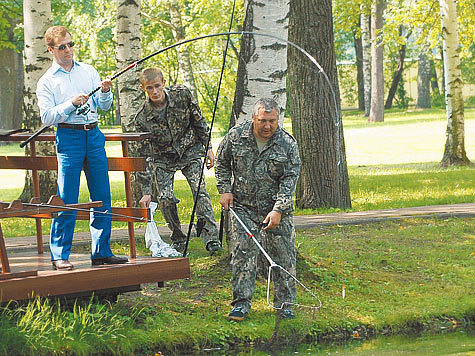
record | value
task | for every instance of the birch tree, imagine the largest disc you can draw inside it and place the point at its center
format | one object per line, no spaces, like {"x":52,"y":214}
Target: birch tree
{"x":128,"y":50}
{"x":454,"y":153}
{"x":36,"y":19}
{"x":262,"y":64}
{"x":316,"y":114}
{"x":366,"y":44}
{"x":376,"y":113}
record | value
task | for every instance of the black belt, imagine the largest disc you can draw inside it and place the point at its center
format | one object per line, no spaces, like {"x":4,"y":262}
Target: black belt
{"x":84,"y":127}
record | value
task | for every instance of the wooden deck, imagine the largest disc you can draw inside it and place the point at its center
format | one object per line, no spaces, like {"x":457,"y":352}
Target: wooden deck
{"x":85,"y":279}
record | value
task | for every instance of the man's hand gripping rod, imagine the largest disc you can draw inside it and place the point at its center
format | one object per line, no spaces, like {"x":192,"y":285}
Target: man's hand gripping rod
{"x":272,"y":265}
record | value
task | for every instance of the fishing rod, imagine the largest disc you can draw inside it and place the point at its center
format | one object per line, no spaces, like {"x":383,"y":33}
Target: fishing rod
{"x":229,"y":33}
{"x":106,"y":212}
{"x":275,"y":265}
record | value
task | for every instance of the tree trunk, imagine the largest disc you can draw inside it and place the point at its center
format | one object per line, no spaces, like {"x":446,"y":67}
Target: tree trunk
{"x":130,"y":95}
{"x":423,"y":80}
{"x":377,"y":73}
{"x":401,"y":54}
{"x":11,"y":84}
{"x":184,"y":60}
{"x":36,"y":19}
{"x":10,"y":104}
{"x":454,"y":153}
{"x":262,"y":64}
{"x":359,"y":69}
{"x":434,"y":82}
{"x":366,"y":44}
{"x":316,"y":113}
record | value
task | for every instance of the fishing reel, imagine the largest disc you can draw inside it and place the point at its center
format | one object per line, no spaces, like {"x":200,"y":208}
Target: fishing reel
{"x":83,"y":109}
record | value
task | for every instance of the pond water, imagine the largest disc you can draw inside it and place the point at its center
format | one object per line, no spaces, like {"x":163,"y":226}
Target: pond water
{"x":460,"y":343}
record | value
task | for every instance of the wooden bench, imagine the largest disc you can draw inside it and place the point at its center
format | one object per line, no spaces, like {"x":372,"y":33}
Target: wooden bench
{"x":125,"y":164}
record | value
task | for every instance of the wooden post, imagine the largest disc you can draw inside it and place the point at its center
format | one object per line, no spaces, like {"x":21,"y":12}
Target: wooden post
{"x":128,"y":198}
{"x":3,"y":254}
{"x":36,"y":192}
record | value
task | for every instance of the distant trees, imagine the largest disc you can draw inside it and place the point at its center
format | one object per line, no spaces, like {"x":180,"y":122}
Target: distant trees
{"x":376,"y":113}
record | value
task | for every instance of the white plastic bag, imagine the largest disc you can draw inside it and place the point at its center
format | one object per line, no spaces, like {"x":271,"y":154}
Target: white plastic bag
{"x":154,"y":242}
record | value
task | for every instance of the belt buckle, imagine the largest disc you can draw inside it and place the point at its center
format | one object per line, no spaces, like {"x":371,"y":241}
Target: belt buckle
{"x":86,"y":128}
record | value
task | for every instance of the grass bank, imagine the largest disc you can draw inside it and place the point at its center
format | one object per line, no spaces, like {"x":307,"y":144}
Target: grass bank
{"x":399,"y":276}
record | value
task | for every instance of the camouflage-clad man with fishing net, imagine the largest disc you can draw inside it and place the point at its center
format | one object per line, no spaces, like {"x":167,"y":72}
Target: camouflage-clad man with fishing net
{"x":180,"y":135}
{"x":257,"y":169}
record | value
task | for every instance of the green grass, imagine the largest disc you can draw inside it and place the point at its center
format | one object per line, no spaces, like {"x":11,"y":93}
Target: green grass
{"x":398,"y":276}
{"x":391,"y":165}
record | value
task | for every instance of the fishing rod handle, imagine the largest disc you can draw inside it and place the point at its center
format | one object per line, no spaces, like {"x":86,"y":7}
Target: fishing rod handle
{"x":34,"y":135}
{"x":115,"y":76}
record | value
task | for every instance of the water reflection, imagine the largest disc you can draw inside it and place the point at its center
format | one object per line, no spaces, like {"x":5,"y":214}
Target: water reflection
{"x":460,"y":343}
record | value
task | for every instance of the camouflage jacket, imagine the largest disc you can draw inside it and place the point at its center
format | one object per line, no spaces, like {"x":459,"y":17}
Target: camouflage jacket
{"x":181,"y":134}
{"x":259,"y":181}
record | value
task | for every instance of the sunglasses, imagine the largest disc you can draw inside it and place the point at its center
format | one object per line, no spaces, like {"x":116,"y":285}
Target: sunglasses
{"x":63,"y":46}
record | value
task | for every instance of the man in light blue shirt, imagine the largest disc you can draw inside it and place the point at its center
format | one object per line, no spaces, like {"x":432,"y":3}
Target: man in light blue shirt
{"x":64,"y":102}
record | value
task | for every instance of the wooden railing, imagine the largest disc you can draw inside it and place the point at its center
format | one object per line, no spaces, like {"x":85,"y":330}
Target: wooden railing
{"x":125,"y":164}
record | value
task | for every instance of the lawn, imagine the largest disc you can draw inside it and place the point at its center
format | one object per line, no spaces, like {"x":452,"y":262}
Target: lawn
{"x":391,"y":165}
{"x":399,"y":277}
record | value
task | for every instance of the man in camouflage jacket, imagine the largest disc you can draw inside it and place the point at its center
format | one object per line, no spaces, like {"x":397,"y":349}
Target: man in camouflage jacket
{"x":180,"y":135}
{"x":257,"y":169}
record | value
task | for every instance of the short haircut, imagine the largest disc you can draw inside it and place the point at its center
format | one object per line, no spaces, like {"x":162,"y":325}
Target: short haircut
{"x":149,"y":74}
{"x":268,"y":104}
{"x":55,"y":32}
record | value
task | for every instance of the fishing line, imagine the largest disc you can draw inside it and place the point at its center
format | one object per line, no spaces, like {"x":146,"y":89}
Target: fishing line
{"x":195,"y":201}
{"x":272,"y":265}
{"x":229,"y":33}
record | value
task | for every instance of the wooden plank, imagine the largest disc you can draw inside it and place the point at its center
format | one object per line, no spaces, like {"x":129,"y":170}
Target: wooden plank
{"x":130,"y":215}
{"x":17,"y":209}
{"x":51,"y":283}
{"x":123,"y":164}
{"x":119,"y":136}
{"x":4,"y":276}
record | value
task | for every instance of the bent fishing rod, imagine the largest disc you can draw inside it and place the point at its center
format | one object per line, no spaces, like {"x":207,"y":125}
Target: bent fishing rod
{"x":229,"y":33}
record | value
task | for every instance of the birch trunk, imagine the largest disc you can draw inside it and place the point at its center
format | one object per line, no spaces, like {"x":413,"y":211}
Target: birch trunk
{"x":316,"y":117}
{"x":262,"y":64}
{"x":184,"y":60}
{"x":376,"y":113}
{"x":366,"y":42}
{"x":130,"y":96}
{"x":454,"y":153}
{"x":36,"y":20}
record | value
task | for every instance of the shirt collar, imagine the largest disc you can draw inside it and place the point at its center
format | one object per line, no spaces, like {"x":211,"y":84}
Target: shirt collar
{"x":56,"y":67}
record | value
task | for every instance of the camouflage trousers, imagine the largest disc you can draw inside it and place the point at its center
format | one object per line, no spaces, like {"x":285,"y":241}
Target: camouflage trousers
{"x":279,"y":243}
{"x":164,"y":179}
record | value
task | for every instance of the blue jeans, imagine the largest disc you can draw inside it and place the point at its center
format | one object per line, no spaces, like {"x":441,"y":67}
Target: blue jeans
{"x":77,"y":150}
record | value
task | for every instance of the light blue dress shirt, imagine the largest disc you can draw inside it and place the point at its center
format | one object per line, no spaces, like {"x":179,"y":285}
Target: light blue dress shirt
{"x":57,"y":87}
